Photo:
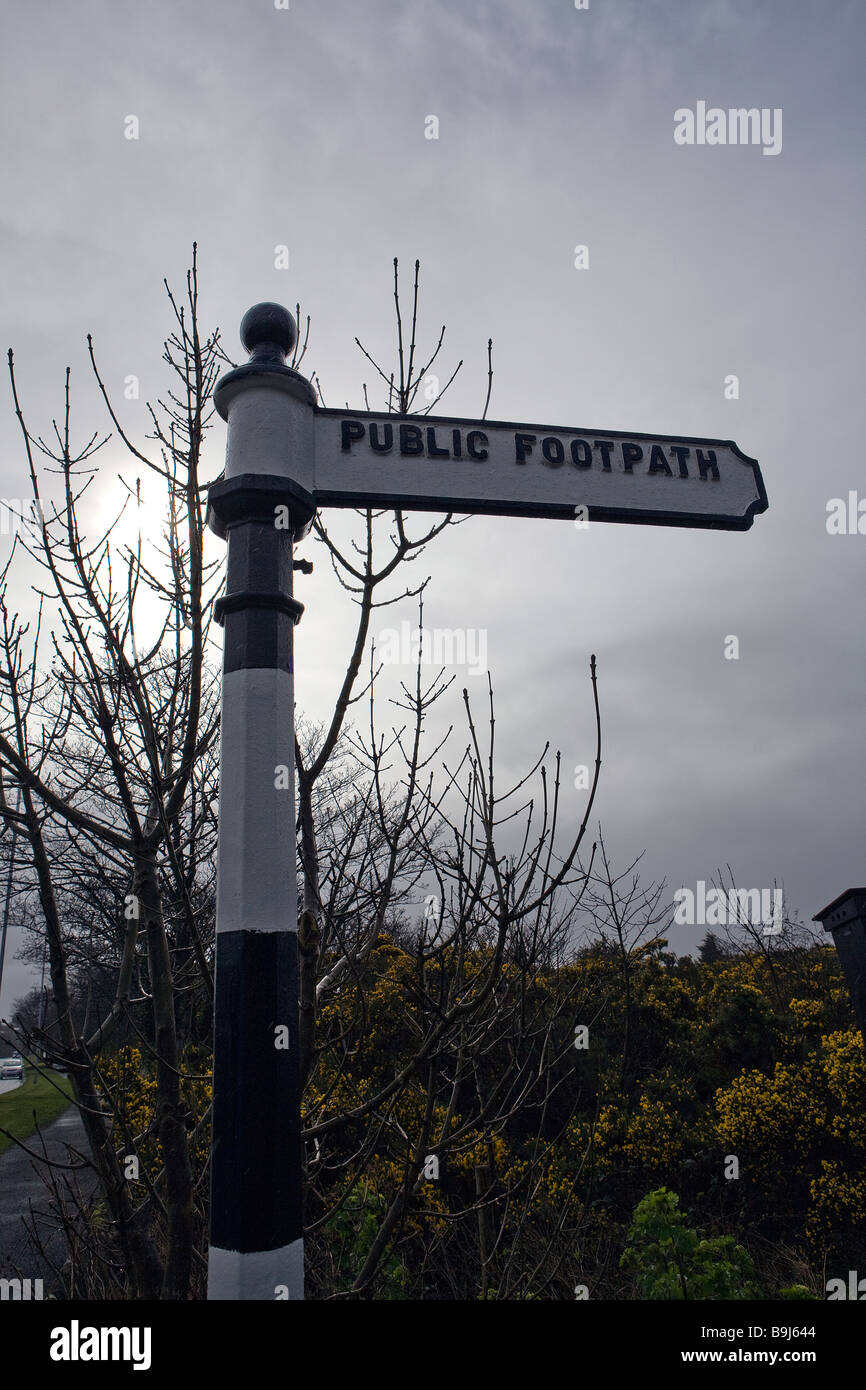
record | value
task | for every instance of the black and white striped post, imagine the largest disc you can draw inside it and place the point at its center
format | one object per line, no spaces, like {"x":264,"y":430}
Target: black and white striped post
{"x":256,"y":1242}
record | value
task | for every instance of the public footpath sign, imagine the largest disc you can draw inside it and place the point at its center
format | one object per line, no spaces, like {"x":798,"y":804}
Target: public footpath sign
{"x":434,"y":464}
{"x":286,"y":458}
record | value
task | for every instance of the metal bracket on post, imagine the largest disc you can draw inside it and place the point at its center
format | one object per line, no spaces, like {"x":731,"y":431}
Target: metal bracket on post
{"x":257,"y":498}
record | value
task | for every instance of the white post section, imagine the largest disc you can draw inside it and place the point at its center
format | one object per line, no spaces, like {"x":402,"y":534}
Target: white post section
{"x":256,"y":1246}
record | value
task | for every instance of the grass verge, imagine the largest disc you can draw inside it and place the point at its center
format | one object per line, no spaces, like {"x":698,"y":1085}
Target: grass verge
{"x":47,"y":1095}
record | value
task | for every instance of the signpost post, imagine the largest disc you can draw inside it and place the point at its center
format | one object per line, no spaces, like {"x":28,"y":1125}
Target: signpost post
{"x":285,"y":458}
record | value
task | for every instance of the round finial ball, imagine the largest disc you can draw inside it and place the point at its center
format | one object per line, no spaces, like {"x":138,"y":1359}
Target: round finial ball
{"x":268,"y":324}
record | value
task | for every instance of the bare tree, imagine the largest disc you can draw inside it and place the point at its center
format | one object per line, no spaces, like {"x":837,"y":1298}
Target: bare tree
{"x":625,"y":916}
{"x":111,"y":741}
{"x":760,"y":920}
{"x":106,"y":745}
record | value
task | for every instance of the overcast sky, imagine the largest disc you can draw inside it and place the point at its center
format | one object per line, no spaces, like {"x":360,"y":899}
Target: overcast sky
{"x":305,"y":127}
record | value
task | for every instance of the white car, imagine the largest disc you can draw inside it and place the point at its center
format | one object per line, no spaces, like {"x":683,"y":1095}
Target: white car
{"x":11,"y":1067}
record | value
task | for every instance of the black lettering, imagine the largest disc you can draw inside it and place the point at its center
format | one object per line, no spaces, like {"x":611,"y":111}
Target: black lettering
{"x":581,"y":453}
{"x":388,"y":438}
{"x":553,"y":450}
{"x":658,"y":462}
{"x":432,"y":451}
{"x":631,"y":454}
{"x":471,"y":450}
{"x":680,"y":454}
{"x":456,"y":444}
{"x":350,"y":430}
{"x":523,"y":446}
{"x":605,"y":445}
{"x":411,"y":440}
{"x":705,"y":463}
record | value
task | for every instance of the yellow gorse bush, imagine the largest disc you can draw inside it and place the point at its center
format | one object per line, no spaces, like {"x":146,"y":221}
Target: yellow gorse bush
{"x":130,"y":1088}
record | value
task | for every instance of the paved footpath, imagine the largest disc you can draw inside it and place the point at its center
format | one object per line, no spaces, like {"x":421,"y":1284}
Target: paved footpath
{"x":21,"y":1187}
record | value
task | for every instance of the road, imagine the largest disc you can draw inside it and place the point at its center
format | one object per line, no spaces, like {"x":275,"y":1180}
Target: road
{"x":21,"y":1188}
{"x":8,"y":1086}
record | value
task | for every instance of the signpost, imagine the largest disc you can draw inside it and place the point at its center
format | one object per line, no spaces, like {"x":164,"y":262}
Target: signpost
{"x":285,"y":458}
{"x":428,"y":463}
